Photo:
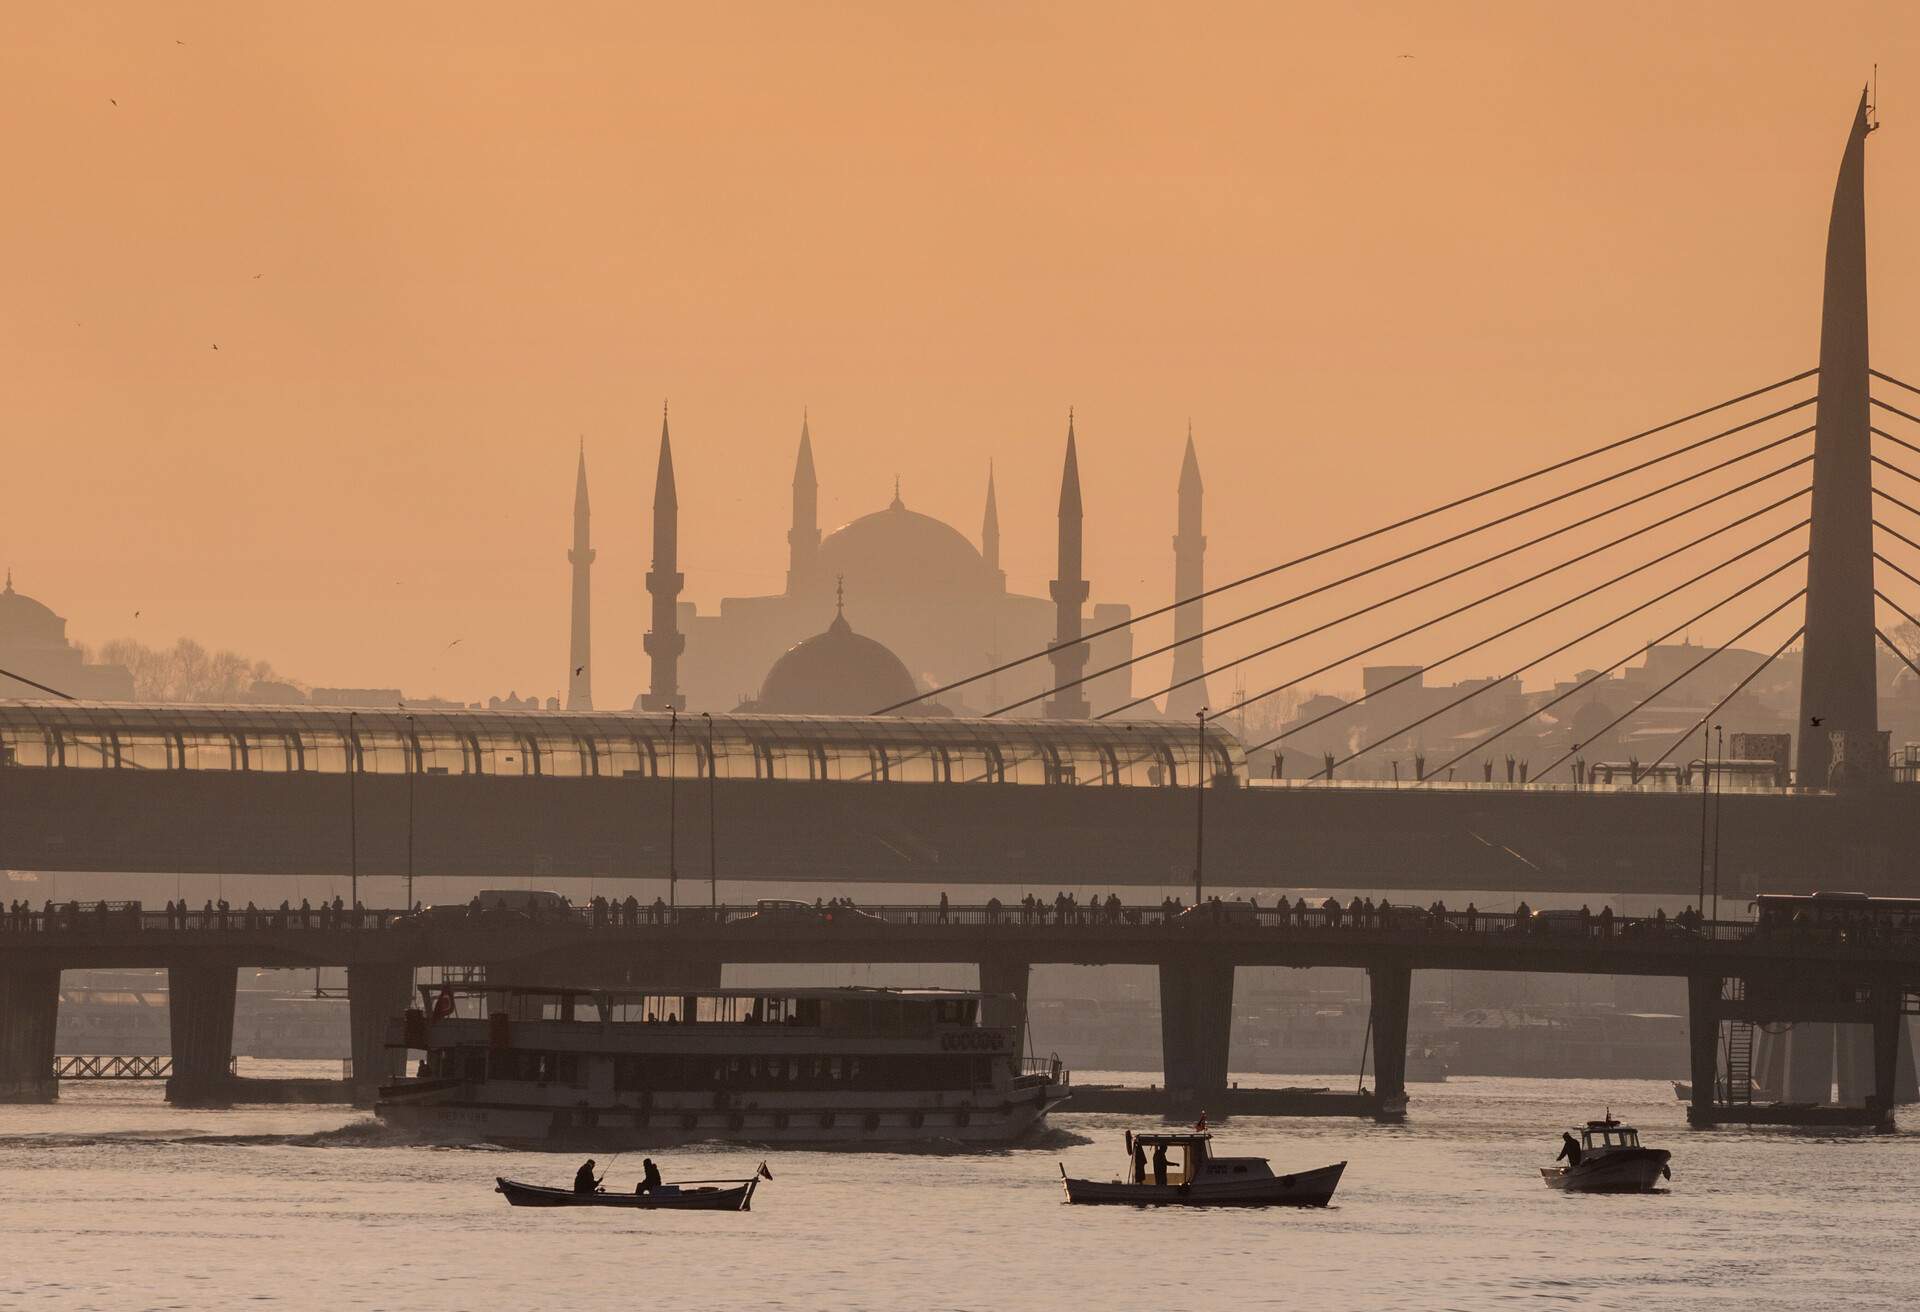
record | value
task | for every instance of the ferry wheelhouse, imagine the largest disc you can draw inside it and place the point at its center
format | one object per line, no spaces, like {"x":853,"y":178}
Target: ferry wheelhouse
{"x":827,"y":1066}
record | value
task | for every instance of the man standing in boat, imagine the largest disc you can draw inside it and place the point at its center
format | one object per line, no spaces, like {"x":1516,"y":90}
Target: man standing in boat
{"x":583,"y":1179}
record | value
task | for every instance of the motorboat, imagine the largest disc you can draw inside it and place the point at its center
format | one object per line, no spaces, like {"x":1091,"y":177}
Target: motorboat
{"x":686,"y":1196}
{"x":1607,"y":1158}
{"x":1181,"y":1170}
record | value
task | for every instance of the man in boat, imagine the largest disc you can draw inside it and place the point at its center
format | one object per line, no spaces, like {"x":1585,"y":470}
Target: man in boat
{"x":1139,"y":1162}
{"x":650,"y":1178}
{"x":583,"y":1179}
{"x":1569,"y":1148}
{"x":1160,"y":1163}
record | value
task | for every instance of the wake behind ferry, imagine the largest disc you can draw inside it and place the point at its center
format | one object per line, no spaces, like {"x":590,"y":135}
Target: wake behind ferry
{"x":545,"y":1067}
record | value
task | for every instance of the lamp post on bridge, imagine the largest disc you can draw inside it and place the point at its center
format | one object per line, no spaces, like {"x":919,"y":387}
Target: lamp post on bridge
{"x":673,"y":772}
{"x":353,"y":815}
{"x":713,"y":850}
{"x":1200,"y":802}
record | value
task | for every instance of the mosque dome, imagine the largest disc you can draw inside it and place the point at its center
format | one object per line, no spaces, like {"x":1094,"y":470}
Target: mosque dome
{"x":898,"y":552}
{"x":22,"y":619}
{"x":838,"y":672}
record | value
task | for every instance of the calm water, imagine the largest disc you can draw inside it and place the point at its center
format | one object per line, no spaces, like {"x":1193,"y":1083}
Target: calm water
{"x":114,"y":1200}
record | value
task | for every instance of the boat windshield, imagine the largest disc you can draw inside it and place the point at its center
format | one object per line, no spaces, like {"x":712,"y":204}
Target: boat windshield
{"x":1185,"y":1155}
{"x":1614,"y":1136}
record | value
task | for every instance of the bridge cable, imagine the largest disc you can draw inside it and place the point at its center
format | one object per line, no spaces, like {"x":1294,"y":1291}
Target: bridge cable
{"x":1889,"y":378}
{"x":1892,"y":532}
{"x":1421,"y":551}
{"x":1896,"y":569}
{"x":1421,"y":587}
{"x":1613,"y":723}
{"x":1483,"y":493}
{"x":1898,"y":608}
{"x":1559,"y":605}
{"x":21,"y":678}
{"x":1888,"y":496}
{"x":1590,"y":679}
{"x":1888,"y":464}
{"x":1893,"y":409}
{"x":1881,"y":432}
{"x":1719,"y":705}
{"x":1606,"y":546}
{"x":1894,"y":647}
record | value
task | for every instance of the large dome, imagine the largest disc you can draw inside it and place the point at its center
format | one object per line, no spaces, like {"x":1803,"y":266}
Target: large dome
{"x":22,"y":619}
{"x":900,"y":552}
{"x":835,"y":673}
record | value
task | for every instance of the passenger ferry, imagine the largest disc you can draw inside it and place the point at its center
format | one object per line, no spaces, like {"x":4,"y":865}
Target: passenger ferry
{"x":544,"y":1067}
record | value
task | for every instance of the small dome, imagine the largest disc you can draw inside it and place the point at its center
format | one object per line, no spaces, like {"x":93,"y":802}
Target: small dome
{"x":834,"y":673}
{"x":898,"y":552}
{"x":23,"y":618}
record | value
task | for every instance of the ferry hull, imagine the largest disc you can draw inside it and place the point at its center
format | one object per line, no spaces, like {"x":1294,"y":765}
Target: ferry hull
{"x":443,"y":1113}
{"x":1621,"y":1171}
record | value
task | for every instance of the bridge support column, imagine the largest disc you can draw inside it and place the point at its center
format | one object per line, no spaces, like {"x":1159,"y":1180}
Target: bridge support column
{"x":1853,"y":1062}
{"x":1196,"y":1024}
{"x":200,"y":1019}
{"x":1002,"y":976}
{"x":1888,"y":1027}
{"x":29,"y":1009}
{"x":1390,"y":992}
{"x":1703,"y":1046}
{"x":1809,"y":1063}
{"x":377,"y":994}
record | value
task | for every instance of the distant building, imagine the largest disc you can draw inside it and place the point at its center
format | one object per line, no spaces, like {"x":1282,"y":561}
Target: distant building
{"x":918,"y":590}
{"x":33,"y":643}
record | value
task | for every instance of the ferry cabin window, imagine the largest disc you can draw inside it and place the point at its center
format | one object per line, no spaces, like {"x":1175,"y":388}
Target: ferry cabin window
{"x":535,"y":1067}
{"x":765,"y":1074}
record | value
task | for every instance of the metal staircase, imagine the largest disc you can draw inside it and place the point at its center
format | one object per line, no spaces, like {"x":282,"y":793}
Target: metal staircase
{"x":1739,"y":1062}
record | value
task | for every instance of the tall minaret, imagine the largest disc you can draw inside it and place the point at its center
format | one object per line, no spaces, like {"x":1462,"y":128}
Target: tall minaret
{"x":990,"y":532}
{"x":803,"y":539}
{"x":580,"y":662}
{"x":664,"y":642}
{"x":1189,"y":580}
{"x":1069,"y":654}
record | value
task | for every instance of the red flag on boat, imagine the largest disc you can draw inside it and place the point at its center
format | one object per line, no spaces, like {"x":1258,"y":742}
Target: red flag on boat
{"x":443,"y":1005}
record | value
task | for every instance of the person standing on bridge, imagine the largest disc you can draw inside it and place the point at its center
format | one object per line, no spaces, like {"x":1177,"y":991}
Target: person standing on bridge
{"x":943,"y":906}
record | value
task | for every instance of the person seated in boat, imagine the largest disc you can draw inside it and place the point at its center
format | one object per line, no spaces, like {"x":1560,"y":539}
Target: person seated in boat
{"x":649,"y":1179}
{"x":583,"y":1179}
{"x":1569,"y":1148}
{"x":1160,"y":1163}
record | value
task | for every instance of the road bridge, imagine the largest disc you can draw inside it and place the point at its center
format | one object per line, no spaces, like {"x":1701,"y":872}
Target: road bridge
{"x":1739,"y":975}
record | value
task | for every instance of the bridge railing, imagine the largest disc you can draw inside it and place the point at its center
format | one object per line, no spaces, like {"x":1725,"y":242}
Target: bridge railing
{"x":1029,"y":915}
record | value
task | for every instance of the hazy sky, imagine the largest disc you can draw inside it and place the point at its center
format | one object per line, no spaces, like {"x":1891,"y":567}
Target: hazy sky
{"x":437,"y":244}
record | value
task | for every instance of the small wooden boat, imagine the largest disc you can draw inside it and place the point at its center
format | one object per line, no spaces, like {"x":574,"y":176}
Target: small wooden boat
{"x":1194,"y":1177}
{"x":687,"y":1196}
{"x":1610,"y":1161}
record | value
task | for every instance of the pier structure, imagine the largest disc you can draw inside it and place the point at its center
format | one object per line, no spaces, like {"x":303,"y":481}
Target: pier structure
{"x":1738,"y":976}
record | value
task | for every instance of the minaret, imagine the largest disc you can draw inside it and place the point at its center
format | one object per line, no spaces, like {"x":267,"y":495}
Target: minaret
{"x":580,"y":662}
{"x":990,"y":533}
{"x":664,"y":642}
{"x":1069,"y":654}
{"x":803,"y":539}
{"x":1837,"y":685}
{"x":1189,"y":580}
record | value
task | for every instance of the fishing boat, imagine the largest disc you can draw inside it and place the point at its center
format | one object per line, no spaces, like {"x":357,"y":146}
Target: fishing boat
{"x":686,"y":1196}
{"x":1181,"y":1170}
{"x":564,"y":1068}
{"x":1608,"y":1158}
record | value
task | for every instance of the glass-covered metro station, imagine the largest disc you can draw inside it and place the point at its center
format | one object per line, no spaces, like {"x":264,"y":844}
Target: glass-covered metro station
{"x":591,"y":744}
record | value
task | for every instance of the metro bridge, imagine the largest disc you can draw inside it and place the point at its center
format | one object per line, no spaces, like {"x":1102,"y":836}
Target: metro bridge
{"x":1739,"y":975}
{"x":1787,"y":540}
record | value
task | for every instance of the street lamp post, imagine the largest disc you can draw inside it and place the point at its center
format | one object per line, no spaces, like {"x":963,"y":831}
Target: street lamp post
{"x":673,"y":772}
{"x":413,"y":768}
{"x":713,"y":850}
{"x":1720,"y":758}
{"x":1200,"y":801}
{"x":353,"y":817}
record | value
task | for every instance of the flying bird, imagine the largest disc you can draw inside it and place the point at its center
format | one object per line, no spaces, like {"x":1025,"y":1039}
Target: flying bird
{"x":578,"y":669}
{"x":455,"y":643}
{"x":258,"y":276}
{"x":113,"y":102}
{"x":1816,"y":722}
{"x":216,"y":346}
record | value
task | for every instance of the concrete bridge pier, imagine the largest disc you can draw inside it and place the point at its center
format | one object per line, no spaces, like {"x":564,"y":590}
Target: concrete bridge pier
{"x":1004,"y":975}
{"x":1703,"y":1046}
{"x":1809,"y":1073}
{"x":1196,"y":1025}
{"x":377,"y":994}
{"x":200,"y":1019}
{"x":29,"y":1009}
{"x":1390,"y":991}
{"x":1855,"y":1059}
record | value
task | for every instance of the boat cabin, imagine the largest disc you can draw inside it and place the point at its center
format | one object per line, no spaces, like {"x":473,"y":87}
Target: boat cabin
{"x":1608,"y":1134}
{"x":1190,"y":1158}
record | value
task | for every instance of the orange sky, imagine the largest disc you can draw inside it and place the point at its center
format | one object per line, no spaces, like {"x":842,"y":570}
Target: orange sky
{"x":437,"y":243}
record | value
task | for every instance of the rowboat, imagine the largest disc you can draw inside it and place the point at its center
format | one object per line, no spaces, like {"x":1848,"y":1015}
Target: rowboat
{"x":1185,"y":1173}
{"x":692,"y":1196}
